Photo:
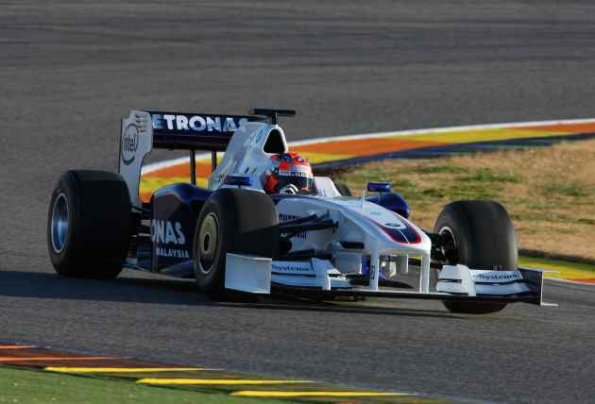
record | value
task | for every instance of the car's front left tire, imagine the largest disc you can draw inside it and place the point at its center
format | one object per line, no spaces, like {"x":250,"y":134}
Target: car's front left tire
{"x":231,"y":220}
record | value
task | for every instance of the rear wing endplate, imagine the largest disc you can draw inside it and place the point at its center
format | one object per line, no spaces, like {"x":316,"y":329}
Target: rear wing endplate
{"x":143,"y":131}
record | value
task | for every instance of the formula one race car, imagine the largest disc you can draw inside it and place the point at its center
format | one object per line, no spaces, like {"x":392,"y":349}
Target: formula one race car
{"x":234,"y":236}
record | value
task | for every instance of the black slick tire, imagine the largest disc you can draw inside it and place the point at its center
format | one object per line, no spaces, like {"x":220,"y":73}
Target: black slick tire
{"x":484,"y":238}
{"x":89,"y":220}
{"x":231,"y":220}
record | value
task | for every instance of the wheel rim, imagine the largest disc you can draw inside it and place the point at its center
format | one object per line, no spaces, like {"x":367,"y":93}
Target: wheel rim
{"x":208,"y":239}
{"x":59,"y":223}
{"x":452,"y":255}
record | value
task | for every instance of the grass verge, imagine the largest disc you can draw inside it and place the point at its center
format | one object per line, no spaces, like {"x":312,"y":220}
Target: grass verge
{"x":548,"y":191}
{"x":30,"y":386}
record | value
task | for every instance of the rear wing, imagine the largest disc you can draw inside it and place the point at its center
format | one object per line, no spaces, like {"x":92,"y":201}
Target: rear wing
{"x":143,"y":131}
{"x":188,"y":131}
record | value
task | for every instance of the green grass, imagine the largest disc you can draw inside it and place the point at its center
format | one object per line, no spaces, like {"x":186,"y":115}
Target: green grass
{"x":29,"y":386}
{"x":439,"y":169}
{"x":571,"y":189}
{"x":485,"y":175}
{"x":547,"y":191}
{"x":481,"y":183}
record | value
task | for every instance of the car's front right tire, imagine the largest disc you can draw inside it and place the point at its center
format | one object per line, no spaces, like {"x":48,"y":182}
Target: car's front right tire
{"x":481,"y":236}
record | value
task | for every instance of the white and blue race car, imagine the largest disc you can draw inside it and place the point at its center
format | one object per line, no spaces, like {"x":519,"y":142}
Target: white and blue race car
{"x":232,"y":236}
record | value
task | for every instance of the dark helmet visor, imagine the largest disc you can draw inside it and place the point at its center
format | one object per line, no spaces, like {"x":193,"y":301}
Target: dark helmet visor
{"x":302,"y":183}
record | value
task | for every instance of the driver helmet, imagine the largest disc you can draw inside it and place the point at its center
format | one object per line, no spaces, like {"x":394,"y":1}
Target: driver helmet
{"x":289,"y":173}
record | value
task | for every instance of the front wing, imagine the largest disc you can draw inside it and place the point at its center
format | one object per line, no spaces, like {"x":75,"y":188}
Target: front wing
{"x":318,"y":279}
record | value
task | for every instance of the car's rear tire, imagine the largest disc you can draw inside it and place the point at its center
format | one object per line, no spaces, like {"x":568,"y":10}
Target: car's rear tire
{"x":231,"y":220}
{"x":88,"y":229}
{"x":483,"y":237}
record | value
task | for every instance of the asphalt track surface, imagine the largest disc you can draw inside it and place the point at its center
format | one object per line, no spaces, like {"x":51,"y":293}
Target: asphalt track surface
{"x":70,"y":70}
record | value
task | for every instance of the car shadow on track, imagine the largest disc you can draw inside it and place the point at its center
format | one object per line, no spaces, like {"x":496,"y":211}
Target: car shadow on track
{"x":43,"y":285}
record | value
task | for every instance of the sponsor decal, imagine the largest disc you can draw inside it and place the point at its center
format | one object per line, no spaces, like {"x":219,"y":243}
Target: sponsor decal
{"x":129,"y":144}
{"x":294,"y":173}
{"x":291,"y":267}
{"x":172,"y":253}
{"x":196,"y":123}
{"x":167,"y":232}
{"x":498,"y":276}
